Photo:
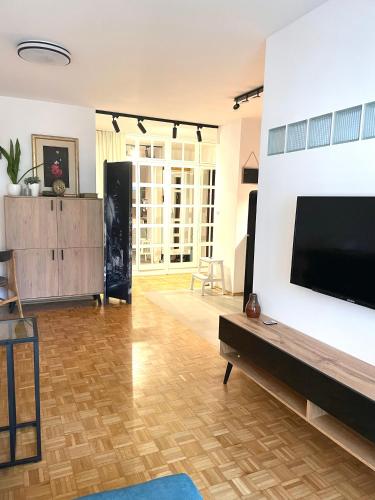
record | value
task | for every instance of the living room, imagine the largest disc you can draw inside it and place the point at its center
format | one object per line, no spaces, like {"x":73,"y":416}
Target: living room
{"x":131,"y":391}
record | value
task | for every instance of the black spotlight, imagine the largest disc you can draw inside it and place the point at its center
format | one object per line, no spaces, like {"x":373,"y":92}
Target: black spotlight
{"x":199,"y":134}
{"x":236,"y":105}
{"x":115,"y":125}
{"x":174,"y":131}
{"x":141,"y":126}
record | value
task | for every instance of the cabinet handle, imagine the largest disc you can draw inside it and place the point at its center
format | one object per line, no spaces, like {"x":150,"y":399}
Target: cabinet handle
{"x":52,"y":205}
{"x":60,"y":205}
{"x":62,"y":254}
{"x":53,"y":254}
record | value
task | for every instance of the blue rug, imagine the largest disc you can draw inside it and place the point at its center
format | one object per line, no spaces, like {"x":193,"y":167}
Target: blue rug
{"x":176,"y":487}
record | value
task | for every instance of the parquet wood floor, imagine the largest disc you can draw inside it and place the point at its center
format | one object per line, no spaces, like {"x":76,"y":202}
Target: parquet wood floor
{"x":130,"y":394}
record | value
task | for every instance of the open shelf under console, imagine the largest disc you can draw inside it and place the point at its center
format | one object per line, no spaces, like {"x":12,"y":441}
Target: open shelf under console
{"x":331,"y":390}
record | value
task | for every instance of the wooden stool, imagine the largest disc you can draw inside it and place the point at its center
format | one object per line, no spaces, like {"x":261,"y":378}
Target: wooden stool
{"x":207,"y":274}
{"x":10,"y":282}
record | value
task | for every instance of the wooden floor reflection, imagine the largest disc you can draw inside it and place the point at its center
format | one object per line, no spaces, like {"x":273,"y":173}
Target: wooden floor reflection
{"x":129,"y":393}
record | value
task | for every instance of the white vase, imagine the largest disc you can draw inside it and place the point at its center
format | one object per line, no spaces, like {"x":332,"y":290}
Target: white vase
{"x":34,"y":189}
{"x":14,"y":189}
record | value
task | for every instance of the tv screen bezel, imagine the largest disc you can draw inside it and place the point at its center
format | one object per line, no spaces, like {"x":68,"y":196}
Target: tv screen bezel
{"x":329,"y":293}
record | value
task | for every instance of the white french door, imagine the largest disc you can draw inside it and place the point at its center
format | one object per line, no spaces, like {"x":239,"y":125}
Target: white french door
{"x":172,"y":205}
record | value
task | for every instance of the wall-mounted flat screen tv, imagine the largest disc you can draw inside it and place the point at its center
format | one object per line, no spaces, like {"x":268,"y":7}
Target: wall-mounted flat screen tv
{"x":334,"y":247}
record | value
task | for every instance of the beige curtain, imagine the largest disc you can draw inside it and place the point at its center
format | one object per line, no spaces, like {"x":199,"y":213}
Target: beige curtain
{"x":111,"y":147}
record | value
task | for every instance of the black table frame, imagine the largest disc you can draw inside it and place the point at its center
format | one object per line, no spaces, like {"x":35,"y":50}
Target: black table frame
{"x":12,"y":413}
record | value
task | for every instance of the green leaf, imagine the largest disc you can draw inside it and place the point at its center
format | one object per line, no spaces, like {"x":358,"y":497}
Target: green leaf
{"x":30,"y":169}
{"x":5,"y":153}
{"x":18,"y":152}
{"x":13,"y":159}
{"x":17,"y":159}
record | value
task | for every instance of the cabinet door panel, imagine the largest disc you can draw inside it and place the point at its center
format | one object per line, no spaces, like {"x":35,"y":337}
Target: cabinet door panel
{"x":30,"y":222}
{"x":37,"y":273}
{"x":80,"y":223}
{"x":81,"y":271}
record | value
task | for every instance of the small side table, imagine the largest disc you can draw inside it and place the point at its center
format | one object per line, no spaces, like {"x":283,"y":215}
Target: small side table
{"x":207,"y":274}
{"x":12,"y":332}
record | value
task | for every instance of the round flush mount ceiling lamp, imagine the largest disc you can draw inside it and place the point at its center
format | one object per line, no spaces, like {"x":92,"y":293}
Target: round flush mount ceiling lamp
{"x":38,"y":51}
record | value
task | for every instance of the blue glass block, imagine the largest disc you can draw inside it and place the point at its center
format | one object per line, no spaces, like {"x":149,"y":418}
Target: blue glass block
{"x":276,"y":140}
{"x":368,"y":130}
{"x":296,"y":139}
{"x":319,"y":131}
{"x":347,"y":125}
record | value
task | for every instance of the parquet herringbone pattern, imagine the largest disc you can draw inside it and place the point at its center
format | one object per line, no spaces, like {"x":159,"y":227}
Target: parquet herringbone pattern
{"x":130,"y":394}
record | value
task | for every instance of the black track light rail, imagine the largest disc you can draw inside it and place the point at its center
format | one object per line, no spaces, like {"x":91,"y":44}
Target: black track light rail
{"x":250,"y":93}
{"x":115,"y":114}
{"x":246,"y":96}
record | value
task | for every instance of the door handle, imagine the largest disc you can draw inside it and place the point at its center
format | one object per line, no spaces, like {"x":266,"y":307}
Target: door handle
{"x":61,"y":207}
{"x":52,"y":205}
{"x":53,"y":254}
{"x":62,"y":254}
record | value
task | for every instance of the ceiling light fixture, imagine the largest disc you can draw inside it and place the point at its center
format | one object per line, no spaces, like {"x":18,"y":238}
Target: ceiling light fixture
{"x":141,"y":126}
{"x":174,"y":131}
{"x":199,"y":134}
{"x":176,"y":123}
{"x":39,"y":51}
{"x":115,"y":124}
{"x":246,"y":96}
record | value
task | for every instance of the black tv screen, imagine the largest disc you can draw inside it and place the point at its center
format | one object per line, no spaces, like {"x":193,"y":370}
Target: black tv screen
{"x":334,"y":247}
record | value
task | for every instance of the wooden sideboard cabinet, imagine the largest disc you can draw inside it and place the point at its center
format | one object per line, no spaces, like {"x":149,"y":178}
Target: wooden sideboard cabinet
{"x":58,"y":244}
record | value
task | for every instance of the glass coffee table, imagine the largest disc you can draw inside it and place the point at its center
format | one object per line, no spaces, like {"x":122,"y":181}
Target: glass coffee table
{"x":14,"y":334}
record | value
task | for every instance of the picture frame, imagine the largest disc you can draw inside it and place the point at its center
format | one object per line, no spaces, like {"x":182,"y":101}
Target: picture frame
{"x":60,"y":158}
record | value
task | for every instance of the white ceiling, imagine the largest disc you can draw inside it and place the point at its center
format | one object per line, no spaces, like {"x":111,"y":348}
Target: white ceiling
{"x":183,"y":59}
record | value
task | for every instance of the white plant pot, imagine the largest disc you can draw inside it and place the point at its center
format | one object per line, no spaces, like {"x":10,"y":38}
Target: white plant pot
{"x":34,"y":189}
{"x":14,"y":189}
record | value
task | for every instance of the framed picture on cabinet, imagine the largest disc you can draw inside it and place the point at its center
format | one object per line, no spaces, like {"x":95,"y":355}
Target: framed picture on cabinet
{"x":59,"y":160}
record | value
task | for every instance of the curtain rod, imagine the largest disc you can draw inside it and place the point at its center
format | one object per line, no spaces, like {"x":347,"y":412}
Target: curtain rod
{"x":116,"y":114}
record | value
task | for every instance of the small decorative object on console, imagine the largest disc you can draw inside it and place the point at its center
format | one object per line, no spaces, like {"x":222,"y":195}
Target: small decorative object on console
{"x":58,"y":187}
{"x":33,"y":184}
{"x":89,"y":195}
{"x":252,"y":308}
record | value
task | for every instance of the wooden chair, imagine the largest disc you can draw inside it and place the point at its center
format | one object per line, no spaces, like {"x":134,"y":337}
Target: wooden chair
{"x":10,"y":282}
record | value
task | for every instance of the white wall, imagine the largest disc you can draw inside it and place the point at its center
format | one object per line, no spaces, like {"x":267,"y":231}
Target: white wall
{"x":237,"y":140}
{"x":322,"y":62}
{"x":19,"y":118}
{"x":226,"y":198}
{"x":250,"y":142}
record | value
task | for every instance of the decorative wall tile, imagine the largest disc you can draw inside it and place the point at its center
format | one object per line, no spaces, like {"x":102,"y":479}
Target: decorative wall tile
{"x":296,"y":137}
{"x":347,"y":124}
{"x":319,"y":131}
{"x":368,"y":130}
{"x":276,"y":140}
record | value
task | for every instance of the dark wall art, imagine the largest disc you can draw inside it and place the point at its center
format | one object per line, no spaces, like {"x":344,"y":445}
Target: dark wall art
{"x":56,"y":158}
{"x":56,"y":165}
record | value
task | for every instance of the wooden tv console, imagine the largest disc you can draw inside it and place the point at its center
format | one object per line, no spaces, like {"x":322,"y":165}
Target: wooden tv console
{"x":330,"y":389}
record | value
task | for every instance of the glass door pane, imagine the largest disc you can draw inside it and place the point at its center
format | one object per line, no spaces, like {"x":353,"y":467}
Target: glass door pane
{"x":182,"y":237}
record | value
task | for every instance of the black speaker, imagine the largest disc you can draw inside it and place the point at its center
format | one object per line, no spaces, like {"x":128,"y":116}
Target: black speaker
{"x":118,"y":230}
{"x":250,"y":175}
{"x":250,"y":246}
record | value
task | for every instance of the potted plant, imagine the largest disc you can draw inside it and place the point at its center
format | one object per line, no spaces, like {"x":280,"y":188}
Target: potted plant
{"x":33,"y":182}
{"x":13,"y":159}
